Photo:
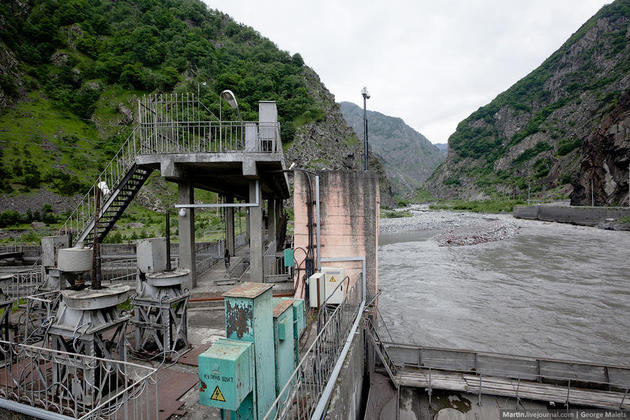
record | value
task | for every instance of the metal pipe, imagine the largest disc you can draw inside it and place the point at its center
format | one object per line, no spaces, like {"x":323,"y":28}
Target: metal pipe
{"x":222,"y":205}
{"x":365,"y":135}
{"x":31,"y":411}
{"x":168,"y":241}
{"x":319,"y":254}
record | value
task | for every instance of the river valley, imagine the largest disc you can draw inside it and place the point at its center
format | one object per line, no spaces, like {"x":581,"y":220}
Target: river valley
{"x":526,"y":287}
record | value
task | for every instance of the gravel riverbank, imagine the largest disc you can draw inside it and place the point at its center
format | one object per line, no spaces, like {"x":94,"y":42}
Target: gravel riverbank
{"x":453,"y":228}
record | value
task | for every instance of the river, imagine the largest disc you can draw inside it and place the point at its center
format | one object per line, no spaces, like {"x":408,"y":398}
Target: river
{"x":548,"y":290}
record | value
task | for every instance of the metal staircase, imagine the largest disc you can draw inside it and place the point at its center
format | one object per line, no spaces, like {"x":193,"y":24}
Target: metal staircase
{"x":125,"y":177}
{"x":117,"y":202}
{"x":166,"y":124}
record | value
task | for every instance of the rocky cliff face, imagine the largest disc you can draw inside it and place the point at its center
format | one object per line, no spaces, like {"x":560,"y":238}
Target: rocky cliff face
{"x":535,"y":134}
{"x":331,"y":143}
{"x":408,"y":157}
{"x":606,"y":161}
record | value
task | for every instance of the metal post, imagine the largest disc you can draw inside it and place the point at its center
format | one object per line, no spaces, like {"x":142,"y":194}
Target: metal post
{"x":96,"y":278}
{"x":529,"y":192}
{"x":592,"y":195}
{"x":168,"y":241}
{"x":319,"y":253}
{"x":480,"y":388}
{"x":366,"y":96}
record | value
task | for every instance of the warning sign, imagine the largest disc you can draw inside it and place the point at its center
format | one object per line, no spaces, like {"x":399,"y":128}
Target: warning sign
{"x":332,"y":279}
{"x":217,"y":395}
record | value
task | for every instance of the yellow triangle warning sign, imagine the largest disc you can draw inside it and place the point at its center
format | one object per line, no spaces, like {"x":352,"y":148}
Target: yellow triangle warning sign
{"x":332,"y":279}
{"x":217,"y":395}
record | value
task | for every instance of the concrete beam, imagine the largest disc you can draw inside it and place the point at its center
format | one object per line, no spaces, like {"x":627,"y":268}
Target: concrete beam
{"x":249,"y":168}
{"x":185,"y":195}
{"x":256,"y":239}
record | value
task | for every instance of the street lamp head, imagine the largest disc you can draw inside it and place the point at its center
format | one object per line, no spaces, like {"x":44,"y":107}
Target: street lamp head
{"x":365,"y":93}
{"x":229,"y":97}
{"x":293,"y":165}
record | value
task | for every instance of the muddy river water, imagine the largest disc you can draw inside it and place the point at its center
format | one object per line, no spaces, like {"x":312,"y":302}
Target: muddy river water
{"x":549,"y":290}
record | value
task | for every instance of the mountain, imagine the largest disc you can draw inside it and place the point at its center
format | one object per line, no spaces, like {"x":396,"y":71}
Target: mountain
{"x":409,"y":158}
{"x":443,"y":147}
{"x":71,"y":72}
{"x":544,"y":130}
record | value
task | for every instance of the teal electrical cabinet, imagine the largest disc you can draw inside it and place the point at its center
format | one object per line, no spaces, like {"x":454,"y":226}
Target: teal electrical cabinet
{"x":283,"y":343}
{"x":249,"y":318}
{"x":299,"y":322}
{"x":227,"y":377}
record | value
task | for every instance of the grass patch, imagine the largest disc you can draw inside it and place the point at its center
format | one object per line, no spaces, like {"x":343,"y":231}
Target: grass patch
{"x":478,"y":206}
{"x":394,"y":214}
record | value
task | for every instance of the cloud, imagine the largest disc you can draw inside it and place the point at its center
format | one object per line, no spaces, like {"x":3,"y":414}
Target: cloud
{"x":431,"y":63}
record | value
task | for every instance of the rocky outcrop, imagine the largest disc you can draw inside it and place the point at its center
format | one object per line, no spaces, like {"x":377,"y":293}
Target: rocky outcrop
{"x":408,"y":157}
{"x":11,"y":85}
{"x":532,"y":135}
{"x":606,"y":161}
{"x":330,"y":143}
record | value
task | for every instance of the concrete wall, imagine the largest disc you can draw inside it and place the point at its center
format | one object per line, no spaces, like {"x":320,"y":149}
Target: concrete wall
{"x":129,"y":250}
{"x":346,"y":399}
{"x":349,"y":209}
{"x":587,"y":216}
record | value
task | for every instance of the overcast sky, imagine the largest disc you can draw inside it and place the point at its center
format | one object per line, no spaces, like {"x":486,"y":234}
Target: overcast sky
{"x":432,"y":63}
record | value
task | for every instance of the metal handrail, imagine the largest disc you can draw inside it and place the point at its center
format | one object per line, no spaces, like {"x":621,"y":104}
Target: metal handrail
{"x":315,"y":372}
{"x":548,"y":373}
{"x":112,"y":174}
{"x":55,"y":392}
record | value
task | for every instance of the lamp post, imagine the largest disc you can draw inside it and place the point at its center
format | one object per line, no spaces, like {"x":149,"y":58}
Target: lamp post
{"x":366,"y":96}
{"x":229,"y":97}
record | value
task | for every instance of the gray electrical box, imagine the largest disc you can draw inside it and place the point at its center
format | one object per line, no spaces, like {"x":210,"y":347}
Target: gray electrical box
{"x":50,"y":246}
{"x":151,"y":255}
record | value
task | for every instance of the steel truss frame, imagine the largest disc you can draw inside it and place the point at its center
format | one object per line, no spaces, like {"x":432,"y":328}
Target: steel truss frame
{"x":163,"y":323}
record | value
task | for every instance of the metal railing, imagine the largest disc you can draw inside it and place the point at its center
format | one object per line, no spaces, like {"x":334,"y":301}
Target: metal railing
{"x":117,"y":271}
{"x":240,"y":240}
{"x":206,"y":257}
{"x":114,"y":172}
{"x":181,"y":123}
{"x":570,"y":374}
{"x":11,"y":248}
{"x":306,"y":387}
{"x":55,"y":381}
{"x":23,"y":283}
{"x":275,"y":271}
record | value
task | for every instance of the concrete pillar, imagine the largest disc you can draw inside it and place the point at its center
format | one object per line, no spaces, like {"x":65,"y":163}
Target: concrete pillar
{"x":273,"y":219}
{"x":186,"y":195}
{"x":256,"y":240}
{"x":229,"y":227}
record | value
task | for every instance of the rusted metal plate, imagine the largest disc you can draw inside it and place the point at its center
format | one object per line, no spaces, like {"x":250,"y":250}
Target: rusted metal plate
{"x":281,"y":307}
{"x":248,"y":290}
{"x":191,"y":358}
{"x":239,"y":319}
{"x":172,"y":385}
